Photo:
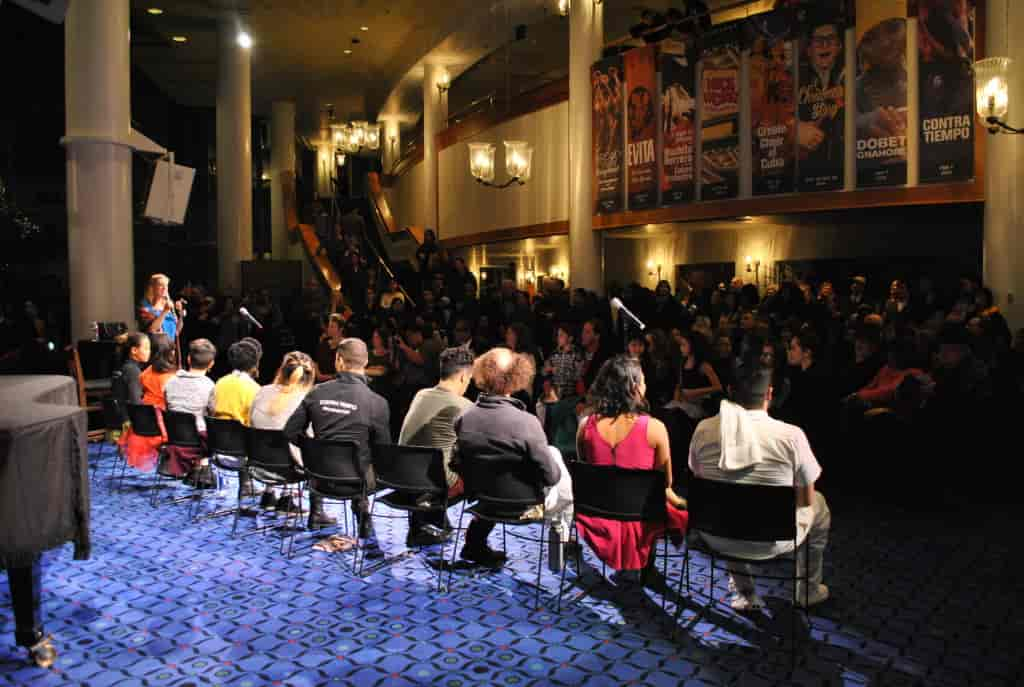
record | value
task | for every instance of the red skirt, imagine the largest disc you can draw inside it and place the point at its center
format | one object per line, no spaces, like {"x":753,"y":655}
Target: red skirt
{"x":628,"y":545}
{"x":142,"y":453}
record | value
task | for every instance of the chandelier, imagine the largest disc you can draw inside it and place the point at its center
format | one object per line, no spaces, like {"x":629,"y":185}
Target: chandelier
{"x":352,"y":138}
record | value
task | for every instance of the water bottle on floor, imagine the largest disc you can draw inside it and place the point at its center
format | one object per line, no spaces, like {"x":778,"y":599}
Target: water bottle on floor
{"x":556,"y":550}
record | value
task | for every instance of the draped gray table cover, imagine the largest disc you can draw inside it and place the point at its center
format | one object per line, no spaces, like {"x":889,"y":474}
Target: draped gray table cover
{"x":44,"y":468}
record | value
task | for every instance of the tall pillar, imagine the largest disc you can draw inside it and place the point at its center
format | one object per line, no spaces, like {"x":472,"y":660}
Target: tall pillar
{"x":97,"y":78}
{"x":234,"y":157}
{"x":282,"y":170}
{"x":435,"y":112}
{"x":1003,"y":251}
{"x":324,"y":157}
{"x":586,"y":38}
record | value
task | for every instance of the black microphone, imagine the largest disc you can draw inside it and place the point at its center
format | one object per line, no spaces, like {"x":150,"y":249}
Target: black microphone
{"x":616,"y":303}
{"x":245,"y":313}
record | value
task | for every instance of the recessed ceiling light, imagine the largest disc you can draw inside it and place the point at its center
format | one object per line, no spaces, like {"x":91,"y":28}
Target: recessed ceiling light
{"x":155,"y":11}
{"x":347,"y":51}
{"x":244,"y":40}
{"x":179,"y":39}
{"x":364,"y":28}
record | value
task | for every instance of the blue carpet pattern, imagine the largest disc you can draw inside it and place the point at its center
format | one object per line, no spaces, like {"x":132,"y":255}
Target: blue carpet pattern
{"x":164,"y":601}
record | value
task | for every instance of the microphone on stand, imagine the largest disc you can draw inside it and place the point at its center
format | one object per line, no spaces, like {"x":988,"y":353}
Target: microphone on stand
{"x":619,"y":305}
{"x":245,"y":313}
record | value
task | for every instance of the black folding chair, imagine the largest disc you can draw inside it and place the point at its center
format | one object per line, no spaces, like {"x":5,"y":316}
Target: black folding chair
{"x":332,"y":472}
{"x":226,"y":441}
{"x":271,"y":463}
{"x":145,"y":423}
{"x":412,"y":472}
{"x":501,"y":491}
{"x":182,"y":432}
{"x":748,"y":512}
{"x":615,"y":493}
{"x":113,"y":422}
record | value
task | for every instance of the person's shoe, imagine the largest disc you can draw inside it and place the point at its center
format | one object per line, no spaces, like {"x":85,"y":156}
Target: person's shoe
{"x":318,"y":519}
{"x":270,"y":502}
{"x":425,"y":538}
{"x":817,"y":594}
{"x":483,"y":555}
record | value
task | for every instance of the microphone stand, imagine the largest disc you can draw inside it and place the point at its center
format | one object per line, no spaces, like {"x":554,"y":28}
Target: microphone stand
{"x":625,"y":326}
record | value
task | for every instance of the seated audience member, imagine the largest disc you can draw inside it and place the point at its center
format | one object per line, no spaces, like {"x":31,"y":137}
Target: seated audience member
{"x":594,"y":354}
{"x":189,"y":391}
{"x":234,"y":392}
{"x":430,"y":422}
{"x":345,"y":409}
{"x":393,"y":293}
{"x":126,"y":385}
{"x":881,"y":390}
{"x":743,"y":445}
{"x":867,"y":360}
{"x":498,"y":428}
{"x":271,"y":408}
{"x":813,"y":403}
{"x":620,"y":432}
{"x":326,"y":350}
{"x":698,"y":380}
{"x":142,"y":452}
{"x":565,"y":365}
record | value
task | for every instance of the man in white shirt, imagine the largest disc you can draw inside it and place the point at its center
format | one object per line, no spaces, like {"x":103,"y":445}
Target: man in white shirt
{"x":742,"y":444}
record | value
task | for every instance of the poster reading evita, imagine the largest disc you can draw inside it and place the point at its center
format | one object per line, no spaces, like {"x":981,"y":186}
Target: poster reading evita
{"x":821,"y":97}
{"x":678,"y":129}
{"x":881,"y":93}
{"x":720,"y":116}
{"x":641,"y":128}
{"x":772,"y":102}
{"x":607,"y":135}
{"x":945,"y":46}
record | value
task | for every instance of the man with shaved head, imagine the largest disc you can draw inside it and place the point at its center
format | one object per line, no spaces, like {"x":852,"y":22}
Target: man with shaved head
{"x":498,"y":429}
{"x":345,"y":409}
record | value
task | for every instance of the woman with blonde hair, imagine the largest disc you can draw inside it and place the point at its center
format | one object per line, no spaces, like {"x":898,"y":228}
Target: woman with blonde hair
{"x":157,"y":312}
{"x":275,"y":403}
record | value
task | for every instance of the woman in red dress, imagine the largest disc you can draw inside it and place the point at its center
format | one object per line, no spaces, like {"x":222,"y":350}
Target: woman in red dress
{"x":142,"y":452}
{"x":620,"y":432}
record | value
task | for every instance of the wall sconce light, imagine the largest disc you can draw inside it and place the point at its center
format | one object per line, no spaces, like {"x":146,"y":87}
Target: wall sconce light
{"x":992,"y":93}
{"x":518,"y":163}
{"x":563,"y":7}
{"x":444,"y":82}
{"x":651,"y":266}
{"x":339,"y":159}
{"x":755,"y":267}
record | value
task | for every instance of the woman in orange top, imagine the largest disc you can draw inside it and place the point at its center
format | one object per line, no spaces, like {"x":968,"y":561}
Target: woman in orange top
{"x":142,"y":452}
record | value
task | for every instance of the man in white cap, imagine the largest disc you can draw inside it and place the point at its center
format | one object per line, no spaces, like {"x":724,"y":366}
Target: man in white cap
{"x":742,"y":444}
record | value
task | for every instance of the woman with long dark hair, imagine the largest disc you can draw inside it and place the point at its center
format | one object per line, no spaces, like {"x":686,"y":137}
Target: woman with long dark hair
{"x":698,"y":381}
{"x":619,"y":431}
{"x":142,"y":452}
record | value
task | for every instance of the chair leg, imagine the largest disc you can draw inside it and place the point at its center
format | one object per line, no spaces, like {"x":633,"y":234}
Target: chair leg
{"x":664,"y":574}
{"x":238,"y":505}
{"x":561,"y":582}
{"x":455,"y":549}
{"x":540,"y":564}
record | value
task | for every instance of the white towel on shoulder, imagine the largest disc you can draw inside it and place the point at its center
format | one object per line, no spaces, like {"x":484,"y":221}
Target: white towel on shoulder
{"x":740,"y":443}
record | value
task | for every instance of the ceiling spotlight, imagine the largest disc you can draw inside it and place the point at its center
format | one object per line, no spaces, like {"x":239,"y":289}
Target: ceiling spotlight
{"x":179,"y":39}
{"x":155,"y":11}
{"x":244,"y":40}
{"x":347,"y":51}
{"x":563,"y":8}
{"x":364,"y":28}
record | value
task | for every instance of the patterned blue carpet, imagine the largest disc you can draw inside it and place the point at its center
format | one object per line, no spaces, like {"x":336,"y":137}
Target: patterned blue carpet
{"x":917,"y":600}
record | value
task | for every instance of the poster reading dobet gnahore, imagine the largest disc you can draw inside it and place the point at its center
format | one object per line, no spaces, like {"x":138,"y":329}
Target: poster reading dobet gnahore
{"x":678,"y":129}
{"x":772,"y":103}
{"x":881,"y":93}
{"x":821,"y":98}
{"x":608,"y":143}
{"x":945,"y":46}
{"x":720,"y":103}
{"x":641,"y":128}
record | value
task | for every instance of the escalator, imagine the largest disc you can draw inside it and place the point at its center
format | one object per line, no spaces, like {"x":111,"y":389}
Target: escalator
{"x":306,"y":234}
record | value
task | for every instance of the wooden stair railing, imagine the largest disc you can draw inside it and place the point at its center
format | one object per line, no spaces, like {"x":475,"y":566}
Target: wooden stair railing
{"x":307,"y":235}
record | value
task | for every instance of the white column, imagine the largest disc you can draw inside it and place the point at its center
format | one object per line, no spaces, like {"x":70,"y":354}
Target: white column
{"x":586,"y":38}
{"x":435,"y":112}
{"x":97,"y":78}
{"x":1003,"y":250}
{"x":324,"y":158}
{"x":234,"y":157}
{"x":282,"y":167}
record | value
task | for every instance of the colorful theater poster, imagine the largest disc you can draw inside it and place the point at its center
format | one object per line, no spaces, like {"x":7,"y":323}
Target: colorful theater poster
{"x":678,"y":129}
{"x":641,"y":128}
{"x":720,"y":113}
{"x":945,"y":47}
{"x":607,"y":89}
{"x":881,"y":93}
{"x":821,"y":98}
{"x":772,"y":103}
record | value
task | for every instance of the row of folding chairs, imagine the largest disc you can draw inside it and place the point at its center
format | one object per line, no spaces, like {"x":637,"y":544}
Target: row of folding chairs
{"x":495,"y":490}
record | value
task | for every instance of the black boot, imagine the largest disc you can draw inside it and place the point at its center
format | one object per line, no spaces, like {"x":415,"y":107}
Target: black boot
{"x":317,"y":517}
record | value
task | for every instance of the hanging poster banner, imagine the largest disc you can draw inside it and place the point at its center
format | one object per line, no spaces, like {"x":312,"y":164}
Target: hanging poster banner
{"x":881,"y":93}
{"x":720,"y":114}
{"x":607,"y":135}
{"x":678,"y":129}
{"x":772,"y":102}
{"x":821,"y":98}
{"x":641,"y":128}
{"x":945,"y":31}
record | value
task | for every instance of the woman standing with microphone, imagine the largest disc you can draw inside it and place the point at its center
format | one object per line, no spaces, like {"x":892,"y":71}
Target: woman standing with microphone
{"x":158,"y":313}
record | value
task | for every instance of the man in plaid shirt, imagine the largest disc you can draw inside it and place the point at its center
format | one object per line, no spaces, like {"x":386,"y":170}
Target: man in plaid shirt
{"x":565,"y":365}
